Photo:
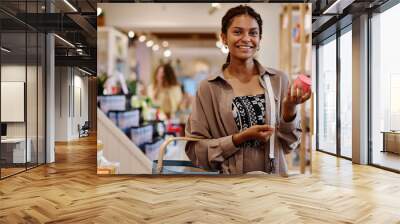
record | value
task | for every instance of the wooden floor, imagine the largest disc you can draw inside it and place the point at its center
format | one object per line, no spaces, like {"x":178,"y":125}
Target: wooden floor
{"x":5,"y":172}
{"x":69,"y":191}
{"x":10,"y":171}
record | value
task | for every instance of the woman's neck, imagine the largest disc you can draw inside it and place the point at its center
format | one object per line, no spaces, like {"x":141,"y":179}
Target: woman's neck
{"x":242,"y":70}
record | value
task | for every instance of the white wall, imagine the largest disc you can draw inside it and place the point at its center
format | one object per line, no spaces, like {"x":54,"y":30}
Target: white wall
{"x":143,"y":56}
{"x":80,"y":102}
{"x":33,"y":127}
{"x":61,"y":103}
{"x":69,"y":85}
{"x":17,"y":73}
{"x":14,"y":73}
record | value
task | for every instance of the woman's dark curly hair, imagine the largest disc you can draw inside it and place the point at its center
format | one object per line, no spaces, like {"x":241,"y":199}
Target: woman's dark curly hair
{"x":169,"y":78}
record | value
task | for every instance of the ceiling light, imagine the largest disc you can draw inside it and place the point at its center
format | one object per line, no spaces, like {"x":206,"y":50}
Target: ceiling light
{"x":86,"y":72}
{"x":216,"y":5}
{"x":99,"y":11}
{"x":142,"y":38}
{"x":156,"y":47}
{"x":149,"y":43}
{"x":167,"y":53}
{"x":338,"y":6}
{"x":70,"y":5}
{"x":214,"y":8}
{"x":64,"y":40}
{"x":131,"y":34}
{"x":165,"y":44}
{"x":5,"y":49}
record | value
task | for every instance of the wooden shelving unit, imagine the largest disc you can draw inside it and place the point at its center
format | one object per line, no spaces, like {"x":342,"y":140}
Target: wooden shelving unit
{"x":113,"y":53}
{"x":295,"y":59}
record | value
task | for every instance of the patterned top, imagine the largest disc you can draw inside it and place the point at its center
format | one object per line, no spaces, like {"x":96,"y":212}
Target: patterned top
{"x":249,"y":111}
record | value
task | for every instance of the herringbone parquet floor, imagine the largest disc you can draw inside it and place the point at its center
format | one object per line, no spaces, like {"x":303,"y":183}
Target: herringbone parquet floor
{"x":69,"y":191}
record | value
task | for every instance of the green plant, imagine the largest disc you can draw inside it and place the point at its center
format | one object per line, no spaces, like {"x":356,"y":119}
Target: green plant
{"x":101,"y":80}
{"x":132,"y":87}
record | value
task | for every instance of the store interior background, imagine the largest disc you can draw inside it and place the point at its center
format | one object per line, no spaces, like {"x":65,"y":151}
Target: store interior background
{"x":134,"y":42}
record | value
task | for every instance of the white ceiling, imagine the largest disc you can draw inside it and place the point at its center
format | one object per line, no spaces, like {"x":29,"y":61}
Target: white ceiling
{"x":173,"y":17}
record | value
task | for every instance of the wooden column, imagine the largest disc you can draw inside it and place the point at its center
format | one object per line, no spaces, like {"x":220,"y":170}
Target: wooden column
{"x":303,"y":52}
{"x":289,"y":41}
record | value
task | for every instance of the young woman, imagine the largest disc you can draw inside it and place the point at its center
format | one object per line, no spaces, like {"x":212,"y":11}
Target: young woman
{"x":232,"y":109}
{"x":165,"y":90}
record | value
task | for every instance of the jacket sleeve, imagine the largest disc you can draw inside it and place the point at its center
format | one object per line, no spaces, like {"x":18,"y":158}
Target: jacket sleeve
{"x":288,"y":131}
{"x":210,"y":152}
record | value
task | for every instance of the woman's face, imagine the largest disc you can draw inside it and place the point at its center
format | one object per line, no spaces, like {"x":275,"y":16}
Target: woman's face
{"x":242,"y":37}
{"x":160,"y":75}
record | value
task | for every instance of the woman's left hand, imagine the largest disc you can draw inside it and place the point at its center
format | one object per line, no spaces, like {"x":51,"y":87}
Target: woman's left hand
{"x":295,"y":95}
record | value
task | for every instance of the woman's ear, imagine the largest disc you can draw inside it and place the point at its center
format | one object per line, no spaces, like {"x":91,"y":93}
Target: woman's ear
{"x":223,"y":39}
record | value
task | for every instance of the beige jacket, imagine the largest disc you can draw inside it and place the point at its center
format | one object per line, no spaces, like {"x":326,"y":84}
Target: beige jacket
{"x":212,"y":120}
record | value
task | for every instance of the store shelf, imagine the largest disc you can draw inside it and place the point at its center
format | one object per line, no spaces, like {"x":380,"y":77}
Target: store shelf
{"x":113,"y":50}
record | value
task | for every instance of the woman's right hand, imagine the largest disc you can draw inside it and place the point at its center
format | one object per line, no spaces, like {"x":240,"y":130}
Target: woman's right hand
{"x":255,"y":132}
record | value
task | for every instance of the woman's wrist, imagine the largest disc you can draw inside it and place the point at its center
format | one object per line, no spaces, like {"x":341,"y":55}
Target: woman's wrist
{"x":289,"y":111}
{"x":238,"y":138}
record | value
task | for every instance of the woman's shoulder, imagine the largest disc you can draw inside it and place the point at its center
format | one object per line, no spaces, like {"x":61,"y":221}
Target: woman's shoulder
{"x":203,"y":87}
{"x":272,"y":71}
{"x":275,"y":71}
{"x":209,"y":84}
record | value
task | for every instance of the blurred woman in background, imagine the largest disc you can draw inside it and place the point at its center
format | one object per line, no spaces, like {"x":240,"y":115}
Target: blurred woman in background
{"x":165,"y":90}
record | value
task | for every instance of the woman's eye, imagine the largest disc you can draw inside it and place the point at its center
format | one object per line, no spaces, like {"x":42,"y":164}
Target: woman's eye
{"x":253,"y":33}
{"x":236,"y":32}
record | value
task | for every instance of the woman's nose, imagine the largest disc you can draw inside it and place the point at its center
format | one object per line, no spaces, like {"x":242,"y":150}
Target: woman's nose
{"x":246,"y":37}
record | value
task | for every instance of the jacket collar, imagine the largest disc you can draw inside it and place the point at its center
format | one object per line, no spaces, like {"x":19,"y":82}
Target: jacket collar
{"x":263,"y":71}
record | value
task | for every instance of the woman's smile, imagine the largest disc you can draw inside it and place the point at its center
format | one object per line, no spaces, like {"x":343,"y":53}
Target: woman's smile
{"x":245,"y":48}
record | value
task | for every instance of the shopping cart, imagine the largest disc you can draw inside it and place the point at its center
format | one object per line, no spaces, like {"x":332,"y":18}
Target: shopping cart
{"x":162,"y":166}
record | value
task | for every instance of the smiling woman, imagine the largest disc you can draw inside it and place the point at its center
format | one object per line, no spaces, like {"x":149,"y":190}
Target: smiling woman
{"x":239,"y":109}
{"x":246,"y":113}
